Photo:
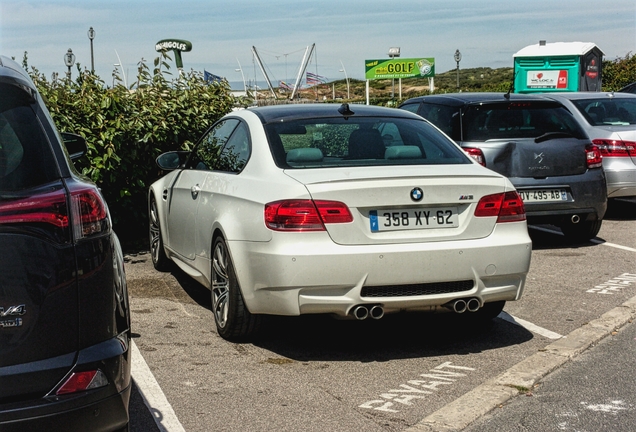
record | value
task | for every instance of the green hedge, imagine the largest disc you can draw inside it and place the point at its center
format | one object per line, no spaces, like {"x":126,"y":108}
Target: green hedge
{"x":127,"y":128}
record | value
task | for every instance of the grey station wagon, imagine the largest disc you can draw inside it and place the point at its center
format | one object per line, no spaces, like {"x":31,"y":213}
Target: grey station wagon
{"x":537,"y":144}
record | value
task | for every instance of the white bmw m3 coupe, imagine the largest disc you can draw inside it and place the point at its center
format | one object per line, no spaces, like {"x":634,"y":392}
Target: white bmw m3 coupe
{"x":350,"y":210}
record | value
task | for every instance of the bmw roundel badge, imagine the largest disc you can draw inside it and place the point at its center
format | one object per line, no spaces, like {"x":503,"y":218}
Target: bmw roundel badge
{"x":417,"y":194}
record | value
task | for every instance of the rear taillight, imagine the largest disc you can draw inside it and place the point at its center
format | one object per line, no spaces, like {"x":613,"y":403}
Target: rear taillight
{"x":82,"y":381}
{"x":305,"y":215}
{"x":616,"y":148}
{"x":593,"y":156}
{"x":476,"y":154}
{"x":88,"y":211}
{"x":508,"y":207}
{"x":49,"y":208}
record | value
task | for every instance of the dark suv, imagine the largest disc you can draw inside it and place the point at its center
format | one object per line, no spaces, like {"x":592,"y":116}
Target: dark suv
{"x":64,"y":314}
{"x":537,"y":144}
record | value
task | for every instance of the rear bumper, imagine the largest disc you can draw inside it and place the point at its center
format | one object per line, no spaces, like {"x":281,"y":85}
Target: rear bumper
{"x":100,"y":409}
{"x":621,"y":183}
{"x":587,"y":196}
{"x":107,"y":414}
{"x":292,"y":275}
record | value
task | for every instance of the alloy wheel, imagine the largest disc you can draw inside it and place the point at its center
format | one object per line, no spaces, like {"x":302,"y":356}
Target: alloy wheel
{"x":155,"y":232}
{"x":220,"y":284}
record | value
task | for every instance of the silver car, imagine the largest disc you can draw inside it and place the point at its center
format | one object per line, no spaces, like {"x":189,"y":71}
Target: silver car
{"x":535,"y":142}
{"x":304,"y":209}
{"x":610,"y":120}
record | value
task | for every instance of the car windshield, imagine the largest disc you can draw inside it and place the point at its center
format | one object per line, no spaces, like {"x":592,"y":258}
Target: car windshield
{"x":530,"y":119}
{"x":361,"y":141}
{"x":599,"y":112}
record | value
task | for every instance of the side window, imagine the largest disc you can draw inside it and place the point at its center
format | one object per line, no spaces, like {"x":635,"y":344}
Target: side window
{"x":209,"y":147}
{"x":236,"y":152}
{"x":412,"y":107}
{"x":443,"y":117}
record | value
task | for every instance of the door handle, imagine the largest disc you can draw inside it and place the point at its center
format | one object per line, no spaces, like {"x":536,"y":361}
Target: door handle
{"x":195,"y":190}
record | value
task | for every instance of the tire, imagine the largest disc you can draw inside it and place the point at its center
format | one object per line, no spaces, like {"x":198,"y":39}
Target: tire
{"x":159,"y":258}
{"x":582,"y":231}
{"x":486,"y":313}
{"x":233,"y":320}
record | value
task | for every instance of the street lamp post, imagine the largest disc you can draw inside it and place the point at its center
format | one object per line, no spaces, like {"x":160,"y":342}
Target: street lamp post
{"x":458,"y":58}
{"x":346,"y":78}
{"x":69,"y":60}
{"x":91,"y":36}
{"x":393,"y":52}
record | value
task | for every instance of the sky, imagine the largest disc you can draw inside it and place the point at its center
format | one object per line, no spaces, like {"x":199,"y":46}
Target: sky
{"x":345,"y":33}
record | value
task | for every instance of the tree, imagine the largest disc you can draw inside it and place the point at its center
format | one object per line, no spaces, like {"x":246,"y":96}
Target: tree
{"x":127,"y":128}
{"x":620,"y":72}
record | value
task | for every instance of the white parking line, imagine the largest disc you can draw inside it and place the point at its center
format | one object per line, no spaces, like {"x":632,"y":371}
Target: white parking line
{"x":595,"y":241}
{"x":153,"y":396}
{"x":529,"y":326}
{"x":600,"y":242}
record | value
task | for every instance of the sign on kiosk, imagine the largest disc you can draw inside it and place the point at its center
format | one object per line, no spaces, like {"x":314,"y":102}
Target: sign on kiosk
{"x":547,"y":79}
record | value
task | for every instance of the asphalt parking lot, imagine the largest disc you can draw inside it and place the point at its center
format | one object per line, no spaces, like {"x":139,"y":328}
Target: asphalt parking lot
{"x":398,"y":373}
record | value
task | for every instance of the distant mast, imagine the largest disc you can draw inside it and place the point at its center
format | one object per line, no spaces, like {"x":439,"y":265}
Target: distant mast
{"x":260,"y":64}
{"x":303,"y":68}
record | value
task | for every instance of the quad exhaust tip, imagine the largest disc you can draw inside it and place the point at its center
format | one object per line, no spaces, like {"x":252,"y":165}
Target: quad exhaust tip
{"x":363,"y":312}
{"x":462,"y":305}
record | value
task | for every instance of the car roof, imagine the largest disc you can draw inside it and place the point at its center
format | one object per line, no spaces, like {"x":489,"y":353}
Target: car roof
{"x":591,"y":95}
{"x":273,"y":113}
{"x":9,"y":67}
{"x":629,"y":88}
{"x":457,"y":99}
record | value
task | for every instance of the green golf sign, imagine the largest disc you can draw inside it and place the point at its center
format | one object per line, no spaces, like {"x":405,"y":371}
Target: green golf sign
{"x":176,"y":45}
{"x":400,"y":68}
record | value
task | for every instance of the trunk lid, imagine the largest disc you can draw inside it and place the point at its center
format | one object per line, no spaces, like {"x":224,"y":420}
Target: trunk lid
{"x":384,"y":212}
{"x":39,"y":322}
{"x":559,"y":156}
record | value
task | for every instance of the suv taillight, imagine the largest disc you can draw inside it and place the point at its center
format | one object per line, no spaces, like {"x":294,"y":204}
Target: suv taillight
{"x":476,"y":154}
{"x":88,"y":211}
{"x":593,"y":156}
{"x":508,"y":207}
{"x":82,"y":381}
{"x":305,"y":215}
{"x":616,"y":148}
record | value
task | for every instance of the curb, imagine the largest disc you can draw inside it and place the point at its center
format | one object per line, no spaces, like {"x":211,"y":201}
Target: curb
{"x":463,"y":411}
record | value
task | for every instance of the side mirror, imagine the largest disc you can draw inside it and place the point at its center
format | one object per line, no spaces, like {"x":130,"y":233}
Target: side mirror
{"x":75,"y":145}
{"x":172,"y":160}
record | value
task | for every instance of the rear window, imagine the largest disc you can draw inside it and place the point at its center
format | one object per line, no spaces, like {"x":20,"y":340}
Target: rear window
{"x":26,"y":159}
{"x":362,"y":141}
{"x":517,"y":120}
{"x":600,"y":112}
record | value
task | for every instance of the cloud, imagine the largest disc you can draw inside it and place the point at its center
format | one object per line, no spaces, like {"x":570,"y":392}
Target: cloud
{"x":487,"y":33}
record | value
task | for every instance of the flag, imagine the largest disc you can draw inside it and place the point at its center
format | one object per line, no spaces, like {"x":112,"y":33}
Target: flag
{"x":210,"y":77}
{"x":283,"y":85}
{"x":313,"y":79}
